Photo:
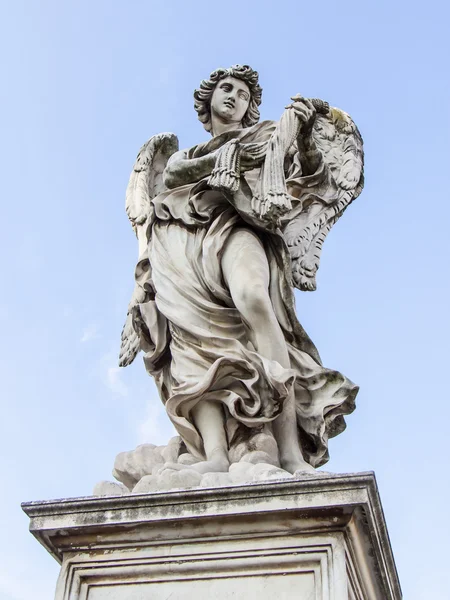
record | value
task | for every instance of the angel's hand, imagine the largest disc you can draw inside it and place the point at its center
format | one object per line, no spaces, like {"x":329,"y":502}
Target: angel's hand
{"x":305,"y":112}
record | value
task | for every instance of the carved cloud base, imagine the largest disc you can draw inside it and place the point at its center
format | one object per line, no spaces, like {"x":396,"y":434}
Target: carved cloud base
{"x":311,"y":539}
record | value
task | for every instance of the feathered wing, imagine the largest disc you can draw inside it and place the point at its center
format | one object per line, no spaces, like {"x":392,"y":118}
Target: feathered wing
{"x":338,"y":139}
{"x":146,"y":182}
{"x":130,"y":345}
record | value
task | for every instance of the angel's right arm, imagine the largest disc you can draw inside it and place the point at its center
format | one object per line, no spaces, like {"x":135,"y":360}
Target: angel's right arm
{"x":181,"y":170}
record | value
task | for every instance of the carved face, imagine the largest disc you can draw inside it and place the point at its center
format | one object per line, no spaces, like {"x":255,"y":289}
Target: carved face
{"x":230,"y":99}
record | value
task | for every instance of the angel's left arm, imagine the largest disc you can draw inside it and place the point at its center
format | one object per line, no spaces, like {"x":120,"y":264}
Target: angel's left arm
{"x":181,"y":170}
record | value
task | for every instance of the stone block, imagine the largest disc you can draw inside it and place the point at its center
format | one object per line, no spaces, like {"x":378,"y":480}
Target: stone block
{"x":321,"y":538}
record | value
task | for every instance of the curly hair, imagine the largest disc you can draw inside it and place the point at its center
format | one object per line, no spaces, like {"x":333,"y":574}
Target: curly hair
{"x":202,"y":95}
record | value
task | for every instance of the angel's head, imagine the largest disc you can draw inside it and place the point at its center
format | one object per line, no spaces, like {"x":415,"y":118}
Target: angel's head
{"x":233,"y":94}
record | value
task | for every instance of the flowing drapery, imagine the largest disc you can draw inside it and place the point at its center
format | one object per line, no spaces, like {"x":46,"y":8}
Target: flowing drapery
{"x":196,"y":344}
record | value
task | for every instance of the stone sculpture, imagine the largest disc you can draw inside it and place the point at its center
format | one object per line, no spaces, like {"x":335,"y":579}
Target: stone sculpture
{"x":225,"y":229}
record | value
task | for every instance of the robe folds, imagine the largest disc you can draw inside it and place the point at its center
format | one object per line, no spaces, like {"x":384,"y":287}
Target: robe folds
{"x":196,"y":344}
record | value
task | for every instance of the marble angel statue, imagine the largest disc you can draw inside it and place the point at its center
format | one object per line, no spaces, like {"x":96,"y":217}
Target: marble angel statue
{"x":226,"y":229}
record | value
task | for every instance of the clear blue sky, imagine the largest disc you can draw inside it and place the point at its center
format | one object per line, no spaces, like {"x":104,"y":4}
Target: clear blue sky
{"x":84,"y":85}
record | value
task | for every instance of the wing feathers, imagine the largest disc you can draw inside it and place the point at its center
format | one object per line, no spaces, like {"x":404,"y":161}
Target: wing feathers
{"x":146,"y":177}
{"x":129,"y":347}
{"x":341,"y":145}
{"x":146,"y":182}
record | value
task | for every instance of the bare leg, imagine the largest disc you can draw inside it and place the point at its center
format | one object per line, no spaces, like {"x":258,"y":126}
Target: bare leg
{"x":209,"y":420}
{"x":246,"y":272}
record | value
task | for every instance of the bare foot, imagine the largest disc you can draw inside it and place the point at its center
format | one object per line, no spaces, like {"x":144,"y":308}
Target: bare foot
{"x":296,"y":465}
{"x":218,"y":463}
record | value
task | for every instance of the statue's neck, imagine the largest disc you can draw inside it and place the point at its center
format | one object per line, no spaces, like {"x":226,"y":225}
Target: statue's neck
{"x":219,"y":126}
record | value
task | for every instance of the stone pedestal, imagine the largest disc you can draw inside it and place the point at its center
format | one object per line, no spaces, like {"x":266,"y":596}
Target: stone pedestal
{"x":311,"y":539}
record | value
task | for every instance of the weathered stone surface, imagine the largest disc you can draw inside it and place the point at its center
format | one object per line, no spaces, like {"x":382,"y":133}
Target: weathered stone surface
{"x":185,"y":479}
{"x":322,"y":538}
{"x":241,"y":472}
{"x":258,"y":456}
{"x":148,"y":483}
{"x":246,"y":441}
{"x":145,"y":469}
{"x":186,"y":459}
{"x":130,"y":467}
{"x":266,"y":472}
{"x":312,"y":474}
{"x":215,"y":480}
{"x":168,"y":479}
{"x":172,"y":450}
{"x":110,"y":488}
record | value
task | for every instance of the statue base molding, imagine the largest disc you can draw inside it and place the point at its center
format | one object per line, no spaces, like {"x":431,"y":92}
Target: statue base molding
{"x":319,"y":537}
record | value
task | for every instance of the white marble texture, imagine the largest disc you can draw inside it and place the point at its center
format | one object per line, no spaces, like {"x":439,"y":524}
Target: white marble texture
{"x":225,"y":229}
{"x":318,"y":538}
{"x":151,"y":468}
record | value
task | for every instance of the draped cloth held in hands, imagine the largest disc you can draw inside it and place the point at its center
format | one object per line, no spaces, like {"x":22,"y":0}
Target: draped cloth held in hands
{"x":270,"y":198}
